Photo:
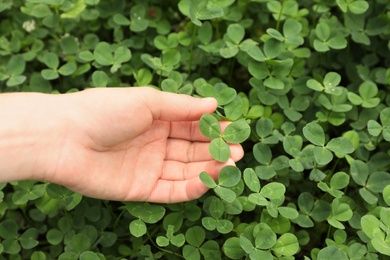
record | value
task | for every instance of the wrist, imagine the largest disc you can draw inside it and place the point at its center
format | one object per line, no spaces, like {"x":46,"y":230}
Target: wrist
{"x":28,"y":134}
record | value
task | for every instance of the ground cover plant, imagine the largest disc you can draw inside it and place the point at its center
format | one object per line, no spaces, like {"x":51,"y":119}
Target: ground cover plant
{"x":306,"y":85}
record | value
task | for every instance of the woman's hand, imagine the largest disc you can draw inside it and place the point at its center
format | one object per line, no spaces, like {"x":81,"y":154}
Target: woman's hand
{"x":133,"y":144}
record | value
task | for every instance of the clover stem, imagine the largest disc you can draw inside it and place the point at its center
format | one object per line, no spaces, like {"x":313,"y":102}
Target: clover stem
{"x":162,"y":249}
{"x":232,"y":62}
{"x":329,"y":231}
{"x":280,"y":16}
{"x":194,"y":31}
{"x":118,"y":218}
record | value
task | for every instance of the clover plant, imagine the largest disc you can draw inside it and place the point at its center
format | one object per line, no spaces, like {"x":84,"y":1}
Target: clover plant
{"x":303,"y":85}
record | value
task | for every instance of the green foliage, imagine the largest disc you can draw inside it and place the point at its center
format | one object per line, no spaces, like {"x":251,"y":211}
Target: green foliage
{"x":304,"y":86}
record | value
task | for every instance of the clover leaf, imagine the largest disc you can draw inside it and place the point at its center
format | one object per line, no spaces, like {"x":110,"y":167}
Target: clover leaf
{"x":375,"y":128}
{"x":338,"y":182}
{"x":322,"y":153}
{"x":104,"y":55}
{"x":234,"y":35}
{"x":286,"y":245}
{"x":13,"y":74}
{"x":251,"y":180}
{"x":176,"y":240}
{"x":236,"y":132}
{"x":326,"y":41}
{"x":99,"y":79}
{"x":376,"y":230}
{"x":229,"y":177}
{"x":354,"y":6}
{"x":340,"y":212}
{"x":137,"y":17}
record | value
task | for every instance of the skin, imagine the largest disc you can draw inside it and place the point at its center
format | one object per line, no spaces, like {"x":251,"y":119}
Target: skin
{"x":126,"y":144}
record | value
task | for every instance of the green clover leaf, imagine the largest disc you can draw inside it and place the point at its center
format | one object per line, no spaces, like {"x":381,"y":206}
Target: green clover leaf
{"x":236,"y":132}
{"x":314,"y":133}
{"x":219,"y":149}
{"x":209,"y":126}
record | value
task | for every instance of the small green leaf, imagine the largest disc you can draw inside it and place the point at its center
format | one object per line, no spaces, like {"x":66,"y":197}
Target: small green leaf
{"x":338,"y":42}
{"x":225,"y":95}
{"x":315,"y":85}
{"x":76,"y":8}
{"x":322,"y":155}
{"x":332,"y":252}
{"x":252,"y":181}
{"x":264,"y":127}
{"x":341,"y":211}
{"x":386,"y":194}
{"x":236,"y":33}
{"x":67,"y":69}
{"x":89,"y":255}
{"x":99,"y":79}
{"x":314,"y":133}
{"x":137,"y":228}
{"x":232,"y":248}
{"x":103,"y":54}
{"x":340,"y":145}
{"x":377,"y":181}
{"x":265,"y":239}
{"x":237,"y":132}
{"x":225,"y":194}
{"x":332,"y":79}
{"x":358,"y":7}
{"x":205,"y":33}
{"x":275,"y":34}
{"x":207,"y":180}
{"x":86,"y":56}
{"x":374,"y":128}
{"x":323,"y":31}
{"x":51,"y":60}
{"x":171,"y":57}
{"x":339,"y":181}
{"x":219,"y":150}
{"x":195,"y":236}
{"x":292,"y":144}
{"x":209,"y":126}
{"x":288,"y":212}
{"x":15,"y":80}
{"x":120,"y":19}
{"x":286,"y":245}
{"x":16,"y":65}
{"x":229,"y":176}
{"x":69,"y":45}
{"x":359,"y":172}
{"x":169,"y":85}
{"x":385,"y":117}
{"x":274,"y":190}
{"x":369,"y":225}
{"x":262,"y":153}
{"x":121,"y":55}
{"x":216,"y":208}
{"x":28,"y":239}
{"x":49,"y":74}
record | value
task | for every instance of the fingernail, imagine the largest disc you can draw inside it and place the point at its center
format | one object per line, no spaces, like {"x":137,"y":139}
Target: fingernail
{"x":209,"y":99}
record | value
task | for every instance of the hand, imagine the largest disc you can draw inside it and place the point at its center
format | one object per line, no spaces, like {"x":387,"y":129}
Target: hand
{"x":134,"y":144}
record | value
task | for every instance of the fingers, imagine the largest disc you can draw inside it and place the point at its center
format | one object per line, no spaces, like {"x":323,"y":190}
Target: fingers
{"x":176,"y":107}
{"x":186,"y":151}
{"x":175,"y":192}
{"x":190,"y":188}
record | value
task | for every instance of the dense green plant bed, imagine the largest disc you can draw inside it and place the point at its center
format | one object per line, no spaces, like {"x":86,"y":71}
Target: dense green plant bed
{"x":306,"y":84}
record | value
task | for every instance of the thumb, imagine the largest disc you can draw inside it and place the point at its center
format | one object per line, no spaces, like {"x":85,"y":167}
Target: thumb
{"x":177,"y":107}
